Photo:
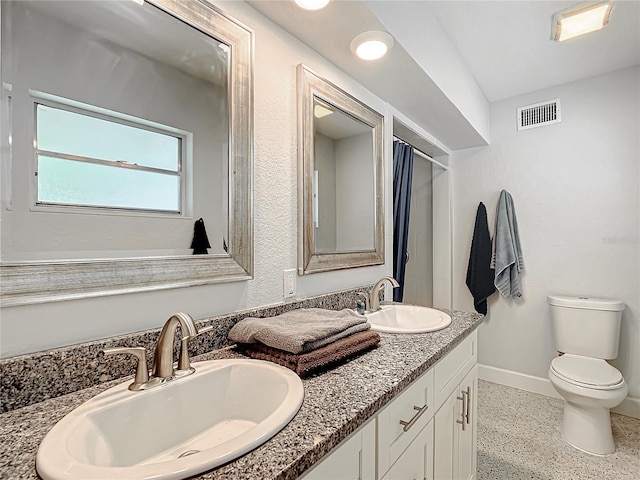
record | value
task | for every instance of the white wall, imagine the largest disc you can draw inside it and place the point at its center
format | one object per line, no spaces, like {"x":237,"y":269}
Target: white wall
{"x":576,"y":194}
{"x":355,"y":194}
{"x":325,"y":164}
{"x":37,"y":327}
{"x":416,"y":27}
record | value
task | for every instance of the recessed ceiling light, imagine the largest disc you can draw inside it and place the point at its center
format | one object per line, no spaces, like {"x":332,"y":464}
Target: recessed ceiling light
{"x":312,"y":4}
{"x":580,"y":19}
{"x":371,"y":45}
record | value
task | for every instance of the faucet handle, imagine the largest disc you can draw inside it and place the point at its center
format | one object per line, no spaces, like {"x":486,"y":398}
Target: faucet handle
{"x":198,"y":332}
{"x":142,"y":372}
{"x":184,"y":362}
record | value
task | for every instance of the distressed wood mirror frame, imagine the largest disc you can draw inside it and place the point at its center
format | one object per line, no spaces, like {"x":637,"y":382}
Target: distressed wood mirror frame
{"x":32,"y":282}
{"x":311,"y":87}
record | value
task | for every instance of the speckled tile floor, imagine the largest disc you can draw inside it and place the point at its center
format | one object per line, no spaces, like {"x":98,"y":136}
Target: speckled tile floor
{"x":518,"y":439}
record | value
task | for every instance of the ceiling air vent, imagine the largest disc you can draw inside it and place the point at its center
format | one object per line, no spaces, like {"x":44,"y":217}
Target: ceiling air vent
{"x":539,"y":114}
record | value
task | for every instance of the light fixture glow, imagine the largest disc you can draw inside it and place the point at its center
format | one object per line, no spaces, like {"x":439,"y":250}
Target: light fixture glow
{"x":371,"y":45}
{"x":580,"y":19}
{"x":312,"y":4}
{"x":320,"y":111}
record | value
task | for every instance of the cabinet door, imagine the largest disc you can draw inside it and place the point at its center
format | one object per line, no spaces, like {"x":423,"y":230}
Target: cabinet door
{"x":445,"y":427}
{"x":456,"y":432}
{"x":416,"y":462}
{"x":353,"y":459}
{"x":466,"y":457}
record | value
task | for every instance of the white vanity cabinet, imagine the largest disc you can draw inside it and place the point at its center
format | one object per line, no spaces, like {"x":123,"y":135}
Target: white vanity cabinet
{"x":455,"y":422}
{"x":416,"y":462}
{"x":353,"y":459}
{"x":427,"y":432}
{"x":445,"y":449}
{"x":402,"y":420}
{"x":455,"y":432}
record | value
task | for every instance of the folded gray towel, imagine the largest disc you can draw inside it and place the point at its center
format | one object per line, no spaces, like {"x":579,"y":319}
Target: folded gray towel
{"x":300,"y":330}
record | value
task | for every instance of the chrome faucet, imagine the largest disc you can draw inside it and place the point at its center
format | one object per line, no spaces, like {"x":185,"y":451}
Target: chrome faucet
{"x":163,"y":357}
{"x":374,"y":294}
{"x":163,"y":369}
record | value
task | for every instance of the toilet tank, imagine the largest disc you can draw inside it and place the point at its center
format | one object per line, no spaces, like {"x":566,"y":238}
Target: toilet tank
{"x":586,"y":326}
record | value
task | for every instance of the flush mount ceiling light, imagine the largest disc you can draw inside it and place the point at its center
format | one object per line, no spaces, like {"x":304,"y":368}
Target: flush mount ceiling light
{"x":580,"y":19}
{"x":312,"y":4}
{"x":320,"y":111}
{"x":371,"y":45}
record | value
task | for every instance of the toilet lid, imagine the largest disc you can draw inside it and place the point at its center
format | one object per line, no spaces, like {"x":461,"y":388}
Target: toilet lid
{"x":591,"y":372}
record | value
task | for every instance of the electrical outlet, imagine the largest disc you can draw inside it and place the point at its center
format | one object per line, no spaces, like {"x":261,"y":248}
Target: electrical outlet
{"x":289,"y":283}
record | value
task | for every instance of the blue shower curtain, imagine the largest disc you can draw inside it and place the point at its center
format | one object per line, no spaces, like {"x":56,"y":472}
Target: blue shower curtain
{"x":402,"y":177}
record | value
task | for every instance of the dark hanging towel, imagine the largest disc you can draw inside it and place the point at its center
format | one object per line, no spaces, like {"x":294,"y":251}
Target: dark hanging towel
{"x":200,"y":241}
{"x":480,"y":275}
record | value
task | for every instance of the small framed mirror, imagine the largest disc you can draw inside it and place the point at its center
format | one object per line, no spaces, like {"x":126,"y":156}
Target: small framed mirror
{"x":124,"y":124}
{"x":340,"y":178}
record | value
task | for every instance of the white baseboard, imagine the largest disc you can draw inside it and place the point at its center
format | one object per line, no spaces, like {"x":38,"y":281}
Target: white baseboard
{"x":629,"y":407}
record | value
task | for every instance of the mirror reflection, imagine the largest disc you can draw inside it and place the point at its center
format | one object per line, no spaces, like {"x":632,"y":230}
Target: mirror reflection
{"x":344,"y":207}
{"x":341,"y":219}
{"x":120,"y":116}
{"x":123,"y":123}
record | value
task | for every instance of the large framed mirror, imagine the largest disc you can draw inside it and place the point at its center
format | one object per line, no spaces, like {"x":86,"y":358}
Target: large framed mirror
{"x":340,"y":178}
{"x":127,"y":146}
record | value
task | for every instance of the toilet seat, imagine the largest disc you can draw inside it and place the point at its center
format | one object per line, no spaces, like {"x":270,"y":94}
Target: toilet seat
{"x":594,"y":373}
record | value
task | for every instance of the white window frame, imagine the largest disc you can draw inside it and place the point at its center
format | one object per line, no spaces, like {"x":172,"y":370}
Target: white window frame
{"x":184,"y":171}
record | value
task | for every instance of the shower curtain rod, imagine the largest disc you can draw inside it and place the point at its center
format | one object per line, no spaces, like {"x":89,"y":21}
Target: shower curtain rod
{"x":420,"y":153}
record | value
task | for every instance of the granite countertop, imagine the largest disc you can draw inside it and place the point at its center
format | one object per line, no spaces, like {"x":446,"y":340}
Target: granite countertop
{"x":336,"y":403}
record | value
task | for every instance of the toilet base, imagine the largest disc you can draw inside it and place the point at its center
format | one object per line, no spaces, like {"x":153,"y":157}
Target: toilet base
{"x":587,"y":428}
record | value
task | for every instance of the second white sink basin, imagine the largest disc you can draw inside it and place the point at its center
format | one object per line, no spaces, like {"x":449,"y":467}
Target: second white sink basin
{"x":222,"y":411}
{"x":408,"y":319}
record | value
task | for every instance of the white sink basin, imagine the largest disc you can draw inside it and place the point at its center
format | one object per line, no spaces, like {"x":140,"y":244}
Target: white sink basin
{"x":174,"y":431}
{"x":408,"y":319}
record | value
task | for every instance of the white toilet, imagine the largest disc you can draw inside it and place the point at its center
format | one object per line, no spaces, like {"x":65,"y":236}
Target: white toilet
{"x":587,"y":330}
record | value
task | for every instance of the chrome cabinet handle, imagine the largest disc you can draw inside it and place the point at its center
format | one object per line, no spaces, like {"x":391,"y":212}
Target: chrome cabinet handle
{"x":420,"y":410}
{"x":463,"y":410}
{"x":468,"y":394}
{"x":142,"y":371}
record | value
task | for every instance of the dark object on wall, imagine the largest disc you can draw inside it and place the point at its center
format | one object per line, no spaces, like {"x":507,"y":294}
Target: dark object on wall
{"x":480,"y":275}
{"x":200,"y":241}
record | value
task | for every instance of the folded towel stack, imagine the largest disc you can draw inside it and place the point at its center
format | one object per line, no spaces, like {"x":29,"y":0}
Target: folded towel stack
{"x":307,"y":340}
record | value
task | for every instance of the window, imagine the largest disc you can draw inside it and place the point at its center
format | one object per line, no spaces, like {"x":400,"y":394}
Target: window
{"x":89,"y":159}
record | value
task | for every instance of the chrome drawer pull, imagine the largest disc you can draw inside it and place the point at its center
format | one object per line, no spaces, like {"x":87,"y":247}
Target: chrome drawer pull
{"x":463,"y":410}
{"x":468,"y":392}
{"x":414,"y":419}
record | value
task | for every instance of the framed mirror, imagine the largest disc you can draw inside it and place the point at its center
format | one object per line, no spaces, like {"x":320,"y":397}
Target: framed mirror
{"x":340,"y":178}
{"x":123,"y":124}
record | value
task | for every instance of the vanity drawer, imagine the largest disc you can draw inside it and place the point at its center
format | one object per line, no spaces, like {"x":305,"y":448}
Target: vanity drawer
{"x":450,"y":371}
{"x":401,"y":420}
